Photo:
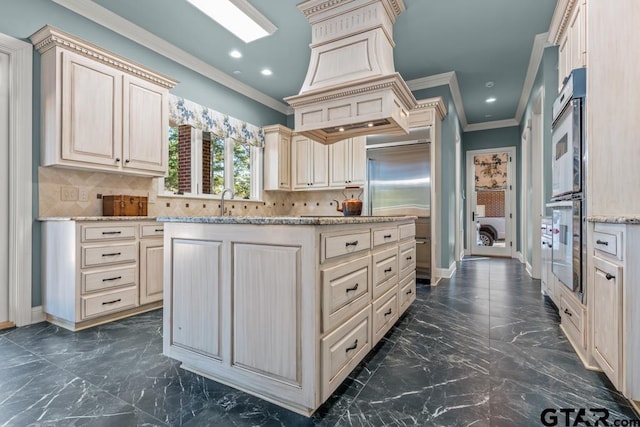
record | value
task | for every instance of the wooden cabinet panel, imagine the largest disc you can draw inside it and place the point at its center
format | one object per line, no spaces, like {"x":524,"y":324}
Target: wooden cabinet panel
{"x":104,"y":303}
{"x":151,"y":268}
{"x":407,"y":258}
{"x":96,"y":281}
{"x":384,"y":313}
{"x":145,"y":124}
{"x":358,"y":161}
{"x":309,"y":168}
{"x":607,"y":318}
{"x":266,"y":310}
{"x":345,"y":290}
{"x":91,"y":111}
{"x":406,"y":292}
{"x":387,"y":235}
{"x":277,"y":158}
{"x":385,"y":270}
{"x":319,"y":164}
{"x":196,"y":314}
{"x":344,"y":244}
{"x":97,"y":233}
{"x":111,"y":254}
{"x":347,"y":162}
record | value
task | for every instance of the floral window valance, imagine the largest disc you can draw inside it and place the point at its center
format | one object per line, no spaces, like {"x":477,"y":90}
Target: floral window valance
{"x":185,"y":112}
{"x":491,"y":172}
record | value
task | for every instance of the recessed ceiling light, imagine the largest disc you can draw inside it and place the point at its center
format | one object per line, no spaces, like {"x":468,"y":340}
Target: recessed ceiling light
{"x":266,"y":72}
{"x":370,"y":125}
{"x":490,"y":100}
{"x":237,"y":16}
{"x":489,"y":84}
{"x":237,"y":72}
{"x":488,"y":115}
{"x":341,"y":129}
{"x":235,"y":53}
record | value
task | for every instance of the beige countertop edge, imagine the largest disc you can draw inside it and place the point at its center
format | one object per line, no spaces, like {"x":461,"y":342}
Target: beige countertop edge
{"x":287,"y":220}
{"x":615,"y":219}
{"x":96,"y":218}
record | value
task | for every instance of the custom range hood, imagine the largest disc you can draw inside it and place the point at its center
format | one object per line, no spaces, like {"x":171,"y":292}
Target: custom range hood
{"x":351,"y":87}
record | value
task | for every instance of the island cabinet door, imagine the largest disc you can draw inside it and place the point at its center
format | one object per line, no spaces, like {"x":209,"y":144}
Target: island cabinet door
{"x":195,"y":323}
{"x":266,"y":311}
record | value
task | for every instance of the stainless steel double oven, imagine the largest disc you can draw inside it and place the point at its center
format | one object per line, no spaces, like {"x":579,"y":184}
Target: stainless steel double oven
{"x":569,"y":166}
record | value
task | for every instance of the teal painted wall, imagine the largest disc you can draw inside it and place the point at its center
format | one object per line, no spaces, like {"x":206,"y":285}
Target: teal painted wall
{"x":497,"y":138}
{"x":445,"y":256}
{"x":20,"y":19}
{"x":546,"y":82}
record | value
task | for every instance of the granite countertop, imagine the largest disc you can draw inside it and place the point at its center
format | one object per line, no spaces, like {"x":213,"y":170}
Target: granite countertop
{"x":615,"y":219}
{"x":97,"y":218}
{"x":285,"y":220}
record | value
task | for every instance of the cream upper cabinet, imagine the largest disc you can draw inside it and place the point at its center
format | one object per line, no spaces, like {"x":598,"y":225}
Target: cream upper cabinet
{"x":309,"y":164}
{"x":572,"y":40}
{"x":277,"y":158}
{"x":145,"y":124}
{"x":91,"y":125}
{"x":347,"y":162}
{"x":100,"y":111}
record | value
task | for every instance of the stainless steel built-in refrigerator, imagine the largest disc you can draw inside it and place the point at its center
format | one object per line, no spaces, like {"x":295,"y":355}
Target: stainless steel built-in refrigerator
{"x":399,"y":183}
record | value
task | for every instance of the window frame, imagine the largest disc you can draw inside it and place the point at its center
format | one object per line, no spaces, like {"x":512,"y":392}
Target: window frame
{"x":256,"y":156}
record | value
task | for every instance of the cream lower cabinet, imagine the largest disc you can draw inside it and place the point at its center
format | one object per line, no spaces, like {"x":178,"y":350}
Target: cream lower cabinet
{"x":284,"y":312}
{"x":91,"y":271}
{"x":615,"y":296}
{"x":100,"y":111}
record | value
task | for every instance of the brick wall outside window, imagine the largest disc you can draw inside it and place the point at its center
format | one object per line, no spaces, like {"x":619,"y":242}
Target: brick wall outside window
{"x":184,"y":158}
{"x":206,"y":162}
{"x":493,"y":202}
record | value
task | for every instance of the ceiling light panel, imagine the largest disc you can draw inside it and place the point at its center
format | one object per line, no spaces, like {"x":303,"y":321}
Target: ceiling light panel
{"x":237,"y":16}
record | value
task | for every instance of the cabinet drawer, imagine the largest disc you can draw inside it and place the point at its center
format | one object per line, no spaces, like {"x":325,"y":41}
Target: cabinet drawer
{"x":385,"y":313}
{"x":152,"y":230}
{"x":107,"y":279}
{"x":573,"y":318}
{"x":406,"y":292}
{"x":387,"y":235}
{"x":407,"y":230}
{"x":339,"y":245}
{"x":112,"y":254}
{"x":92,"y":233}
{"x":343,"y":349}
{"x":385,"y":270}
{"x":109,"y":302}
{"x":607,"y":243}
{"x":407,"y":258}
{"x":345,"y":290}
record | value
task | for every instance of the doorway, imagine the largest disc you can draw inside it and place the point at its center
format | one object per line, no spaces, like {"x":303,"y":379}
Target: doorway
{"x":491,"y":202}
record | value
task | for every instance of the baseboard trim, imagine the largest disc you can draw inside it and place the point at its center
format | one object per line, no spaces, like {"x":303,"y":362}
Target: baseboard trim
{"x":37,"y":314}
{"x":519,"y":256}
{"x":529,"y":269}
{"x":445,"y":273}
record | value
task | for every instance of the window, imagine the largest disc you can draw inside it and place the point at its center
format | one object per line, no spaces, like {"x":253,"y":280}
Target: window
{"x":203,"y":164}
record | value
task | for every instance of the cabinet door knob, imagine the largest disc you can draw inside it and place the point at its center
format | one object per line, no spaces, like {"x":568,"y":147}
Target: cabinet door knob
{"x":117,"y":159}
{"x":127,"y":161}
{"x":609,"y":276}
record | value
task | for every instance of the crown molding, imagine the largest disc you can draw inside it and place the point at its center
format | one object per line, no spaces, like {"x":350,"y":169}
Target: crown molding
{"x":539,"y":43}
{"x":559,"y":20}
{"x":448,"y":78}
{"x":435,"y":103}
{"x":104,"y":17}
{"x":497,"y":124}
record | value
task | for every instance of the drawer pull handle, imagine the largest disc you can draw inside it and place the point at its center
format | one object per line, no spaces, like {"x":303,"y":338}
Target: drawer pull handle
{"x":351,"y":347}
{"x":112,"y":302}
{"x":159,"y":230}
{"x":388,"y":270}
{"x":409,"y":292}
{"x":602,"y":242}
{"x":111,"y":232}
{"x":387,"y":236}
{"x":354,"y":243}
{"x":610,"y":276}
{"x":409,"y":258}
{"x":113,"y":254}
{"x":111,"y":279}
{"x":567,"y":312}
{"x":388,"y":313}
{"x":355,"y":287}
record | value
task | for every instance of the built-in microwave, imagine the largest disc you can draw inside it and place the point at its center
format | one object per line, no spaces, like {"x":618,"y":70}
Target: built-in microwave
{"x":568,"y":136}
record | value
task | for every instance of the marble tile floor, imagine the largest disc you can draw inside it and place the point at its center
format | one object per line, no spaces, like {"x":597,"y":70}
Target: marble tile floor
{"x":481,"y":349}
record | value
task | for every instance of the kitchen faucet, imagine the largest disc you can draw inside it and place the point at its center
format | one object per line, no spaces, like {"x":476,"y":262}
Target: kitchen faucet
{"x":222,"y":208}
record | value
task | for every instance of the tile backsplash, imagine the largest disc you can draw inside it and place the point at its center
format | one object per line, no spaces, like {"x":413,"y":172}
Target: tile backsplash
{"x":52,"y":181}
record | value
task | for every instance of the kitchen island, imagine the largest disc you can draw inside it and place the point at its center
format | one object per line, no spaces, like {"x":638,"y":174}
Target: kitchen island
{"x":283,"y":307}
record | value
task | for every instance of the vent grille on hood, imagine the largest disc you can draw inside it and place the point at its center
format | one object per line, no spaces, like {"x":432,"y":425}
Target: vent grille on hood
{"x":351,"y":87}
